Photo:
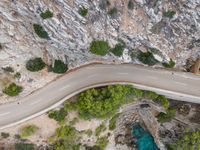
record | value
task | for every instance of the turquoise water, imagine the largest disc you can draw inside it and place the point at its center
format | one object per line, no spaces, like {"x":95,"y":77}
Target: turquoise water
{"x":144,"y":140}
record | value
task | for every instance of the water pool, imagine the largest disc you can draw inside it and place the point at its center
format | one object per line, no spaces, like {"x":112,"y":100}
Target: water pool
{"x":144,"y":140}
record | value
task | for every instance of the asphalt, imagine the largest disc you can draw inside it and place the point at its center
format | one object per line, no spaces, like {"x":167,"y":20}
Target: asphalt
{"x":183,"y":86}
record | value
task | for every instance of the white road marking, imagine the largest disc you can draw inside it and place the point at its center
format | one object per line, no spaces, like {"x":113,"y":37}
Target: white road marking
{"x":64,"y":88}
{"x":3,"y":114}
{"x":180,"y":83}
{"x":35,"y":102}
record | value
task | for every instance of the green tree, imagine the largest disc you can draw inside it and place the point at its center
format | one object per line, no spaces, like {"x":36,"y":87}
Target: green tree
{"x":59,"y":67}
{"x":171,"y":64}
{"x":113,"y":12}
{"x":35,"y":64}
{"x":166,"y":117}
{"x":5,"y":135}
{"x":99,"y":47}
{"x":130,"y":5}
{"x":102,"y":142}
{"x":47,"y":14}
{"x":147,"y":58}
{"x":39,"y":30}
{"x":100,"y":129}
{"x":163,"y":101}
{"x":12,"y":90}
{"x":169,"y":14}
{"x":112,"y":122}
{"x":28,"y":130}
{"x":24,"y":146}
{"x":58,"y":115}
{"x":118,"y":49}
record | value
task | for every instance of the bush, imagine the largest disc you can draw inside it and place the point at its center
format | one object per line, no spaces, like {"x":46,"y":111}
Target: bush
{"x":58,"y":115}
{"x":24,"y":146}
{"x":162,"y":117}
{"x":147,"y":58}
{"x":102,"y":142}
{"x":100,"y":129}
{"x":59,"y":67}
{"x":118,"y":49}
{"x":28,"y":130}
{"x":171,"y":64}
{"x":163,"y":101}
{"x":112,"y":122}
{"x":169,"y":14}
{"x":46,"y":14}
{"x":83,"y":11}
{"x":35,"y":64}
{"x":17,"y":75}
{"x":5,"y":135}
{"x":130,"y":5}
{"x":99,"y":48}
{"x":113,"y":12}
{"x":39,"y":30}
{"x":102,"y":102}
{"x":88,"y":132}
{"x":12,"y":90}
{"x":8,"y":69}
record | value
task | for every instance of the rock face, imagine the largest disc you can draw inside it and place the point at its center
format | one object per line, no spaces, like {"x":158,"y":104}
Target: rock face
{"x":140,"y":24}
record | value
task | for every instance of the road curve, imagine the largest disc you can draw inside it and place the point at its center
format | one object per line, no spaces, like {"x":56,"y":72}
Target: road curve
{"x":178,"y":85}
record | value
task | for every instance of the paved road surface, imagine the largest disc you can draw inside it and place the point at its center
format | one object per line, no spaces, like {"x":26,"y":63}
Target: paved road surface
{"x":183,"y":86}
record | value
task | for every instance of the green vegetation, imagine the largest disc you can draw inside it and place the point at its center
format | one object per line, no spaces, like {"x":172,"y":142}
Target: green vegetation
{"x":189,"y":141}
{"x":147,"y":58}
{"x":102,"y":142}
{"x":88,"y":132}
{"x":17,"y":75}
{"x":24,"y":146}
{"x":171,"y":64}
{"x":100,"y":129}
{"x":163,"y":101}
{"x":113,"y":12}
{"x":39,"y":30}
{"x":118,"y":49}
{"x":12,"y":89}
{"x":1,"y":47}
{"x":35,"y":64}
{"x":169,"y":14}
{"x":83,"y":11}
{"x":130,"y":5}
{"x":112,"y":122}
{"x":162,"y":117}
{"x":28,"y":130}
{"x":47,"y":14}
{"x":59,"y":67}
{"x":102,"y":102}
{"x":8,"y":69}
{"x":5,"y":135}
{"x":99,"y":47}
{"x":58,"y":115}
{"x":66,"y":138}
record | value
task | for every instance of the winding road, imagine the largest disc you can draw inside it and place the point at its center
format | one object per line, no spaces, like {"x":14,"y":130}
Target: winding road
{"x":177,"y":85}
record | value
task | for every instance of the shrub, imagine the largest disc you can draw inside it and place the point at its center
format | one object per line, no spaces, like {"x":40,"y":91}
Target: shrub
{"x":5,"y":135}
{"x":130,"y":5}
{"x":39,"y":30}
{"x":46,"y":14}
{"x":59,"y":67}
{"x":147,"y":58}
{"x":162,"y":117}
{"x":12,"y":90}
{"x":102,"y":142}
{"x":118,"y":49}
{"x":150,"y":95}
{"x":83,"y":11}
{"x":102,"y":102}
{"x":163,"y":101}
{"x":89,"y":132}
{"x":100,"y":129}
{"x":8,"y":69}
{"x":24,"y":146}
{"x":17,"y":75}
{"x":35,"y":64}
{"x":169,"y":14}
{"x":171,"y":64}
{"x":112,"y":122}
{"x":99,"y":47}
{"x":58,"y":115}
{"x":28,"y":130}
{"x":113,"y":12}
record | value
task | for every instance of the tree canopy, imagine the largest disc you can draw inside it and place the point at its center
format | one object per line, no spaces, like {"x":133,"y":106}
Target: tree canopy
{"x":99,"y":47}
{"x":147,"y":58}
{"x":12,"y":89}
{"x":35,"y":64}
{"x":59,"y":67}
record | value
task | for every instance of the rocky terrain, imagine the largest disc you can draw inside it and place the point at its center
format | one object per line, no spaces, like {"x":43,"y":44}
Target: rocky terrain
{"x":169,"y":28}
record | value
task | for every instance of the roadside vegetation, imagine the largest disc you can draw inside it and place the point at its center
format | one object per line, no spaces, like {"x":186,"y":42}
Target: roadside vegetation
{"x":99,"y":47}
{"x":118,"y":49}
{"x":35,"y":64}
{"x":39,"y":30}
{"x":171,"y":64}
{"x":47,"y":14}
{"x":59,"y":67}
{"x":147,"y":58}
{"x":12,"y":89}
{"x":28,"y":130}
